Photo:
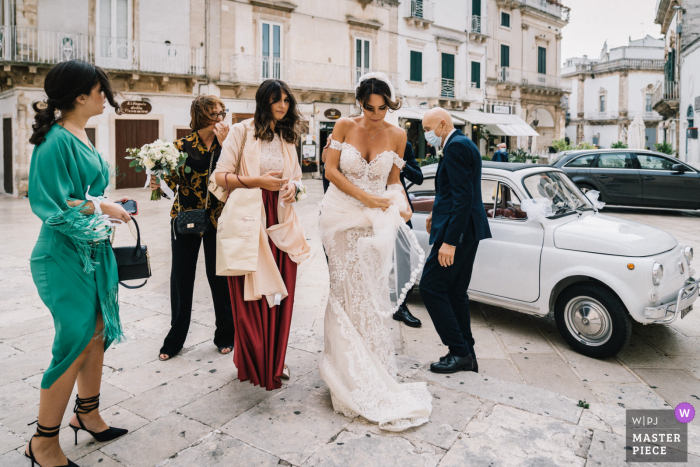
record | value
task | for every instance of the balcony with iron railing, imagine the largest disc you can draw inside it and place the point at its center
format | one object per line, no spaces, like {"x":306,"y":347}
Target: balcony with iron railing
{"x":39,"y":47}
{"x":509,"y":75}
{"x":621,"y":64}
{"x":450,"y":89}
{"x":253,"y":70}
{"x":478,"y":28}
{"x":604,"y":115}
{"x":666,"y":99}
{"x":420,"y":13}
{"x":555,"y":9}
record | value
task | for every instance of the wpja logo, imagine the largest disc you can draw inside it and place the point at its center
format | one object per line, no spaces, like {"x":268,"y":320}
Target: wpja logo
{"x":658,"y":435}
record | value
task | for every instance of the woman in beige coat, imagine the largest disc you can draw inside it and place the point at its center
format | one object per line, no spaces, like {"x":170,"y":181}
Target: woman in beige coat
{"x":262,"y":301}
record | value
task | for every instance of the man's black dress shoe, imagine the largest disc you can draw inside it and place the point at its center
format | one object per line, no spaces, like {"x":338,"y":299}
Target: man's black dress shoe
{"x":453,"y":364}
{"x":403,"y":314}
{"x":475,"y":369}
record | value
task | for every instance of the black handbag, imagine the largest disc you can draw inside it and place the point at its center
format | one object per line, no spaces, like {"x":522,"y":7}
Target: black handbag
{"x":133,"y":262}
{"x":194,"y":221}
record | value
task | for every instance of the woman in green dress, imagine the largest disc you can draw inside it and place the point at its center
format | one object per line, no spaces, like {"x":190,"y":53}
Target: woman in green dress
{"x":72,"y":264}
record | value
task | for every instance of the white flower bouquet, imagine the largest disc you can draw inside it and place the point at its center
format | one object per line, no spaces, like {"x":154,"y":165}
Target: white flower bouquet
{"x":301,"y":193}
{"x":159,"y":158}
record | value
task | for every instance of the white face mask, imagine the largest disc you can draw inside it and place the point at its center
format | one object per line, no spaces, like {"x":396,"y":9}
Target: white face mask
{"x":433,"y":139}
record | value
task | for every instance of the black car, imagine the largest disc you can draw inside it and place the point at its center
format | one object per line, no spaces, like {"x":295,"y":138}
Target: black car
{"x":633,"y":177}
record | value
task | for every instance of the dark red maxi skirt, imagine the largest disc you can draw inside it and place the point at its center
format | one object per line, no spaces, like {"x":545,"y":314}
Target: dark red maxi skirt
{"x":262,"y":333}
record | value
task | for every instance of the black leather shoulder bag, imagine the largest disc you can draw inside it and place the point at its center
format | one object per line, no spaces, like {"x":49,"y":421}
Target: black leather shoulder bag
{"x":133,"y":262}
{"x":195,"y":221}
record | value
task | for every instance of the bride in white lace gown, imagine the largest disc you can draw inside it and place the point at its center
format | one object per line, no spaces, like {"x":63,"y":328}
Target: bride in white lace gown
{"x":362,"y":226}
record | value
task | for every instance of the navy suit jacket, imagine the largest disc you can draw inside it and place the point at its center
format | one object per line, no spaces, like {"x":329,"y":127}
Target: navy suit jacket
{"x":498,"y":157}
{"x":410,"y":172}
{"x":459,"y":217}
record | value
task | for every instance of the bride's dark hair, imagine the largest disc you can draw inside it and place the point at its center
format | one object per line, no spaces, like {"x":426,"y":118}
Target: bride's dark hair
{"x":63,"y":84}
{"x":379,"y":87}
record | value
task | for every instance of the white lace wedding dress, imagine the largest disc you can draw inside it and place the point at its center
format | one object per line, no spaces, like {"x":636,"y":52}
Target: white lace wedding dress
{"x":358,"y":359}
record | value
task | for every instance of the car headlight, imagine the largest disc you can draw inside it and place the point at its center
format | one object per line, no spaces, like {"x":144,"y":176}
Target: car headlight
{"x":657,"y":273}
{"x":688,"y":253}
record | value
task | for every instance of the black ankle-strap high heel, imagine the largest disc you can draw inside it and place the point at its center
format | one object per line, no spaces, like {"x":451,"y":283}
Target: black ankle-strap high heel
{"x":84,"y":406}
{"x":43,"y":432}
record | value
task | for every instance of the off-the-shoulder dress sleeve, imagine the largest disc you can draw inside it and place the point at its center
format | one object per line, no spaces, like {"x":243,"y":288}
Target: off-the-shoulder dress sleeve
{"x":400,"y":163}
{"x":335,"y":144}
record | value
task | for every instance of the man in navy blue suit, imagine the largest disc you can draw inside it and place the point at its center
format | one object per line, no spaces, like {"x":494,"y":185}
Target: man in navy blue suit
{"x":456,"y":226}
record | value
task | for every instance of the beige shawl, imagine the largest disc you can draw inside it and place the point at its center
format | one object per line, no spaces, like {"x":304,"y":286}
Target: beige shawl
{"x":287,"y":235}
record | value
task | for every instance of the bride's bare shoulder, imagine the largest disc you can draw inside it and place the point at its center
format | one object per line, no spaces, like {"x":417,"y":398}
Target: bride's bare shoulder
{"x":397,"y":133}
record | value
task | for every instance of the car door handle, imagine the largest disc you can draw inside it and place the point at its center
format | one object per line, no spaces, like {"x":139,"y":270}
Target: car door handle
{"x":649,"y":178}
{"x":602,"y":176}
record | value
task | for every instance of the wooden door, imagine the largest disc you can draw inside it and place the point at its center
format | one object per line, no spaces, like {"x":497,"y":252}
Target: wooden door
{"x":7,"y":153}
{"x":182,"y":132}
{"x":132,"y":134}
{"x":91,"y":135}
{"x":240,"y":117}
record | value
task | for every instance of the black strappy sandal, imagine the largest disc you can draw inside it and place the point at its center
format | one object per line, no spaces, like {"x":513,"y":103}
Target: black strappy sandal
{"x":43,"y":432}
{"x":229,"y":347}
{"x":85,"y":406}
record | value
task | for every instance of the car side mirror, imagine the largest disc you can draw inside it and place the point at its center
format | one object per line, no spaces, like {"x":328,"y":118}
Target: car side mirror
{"x":678,"y":168}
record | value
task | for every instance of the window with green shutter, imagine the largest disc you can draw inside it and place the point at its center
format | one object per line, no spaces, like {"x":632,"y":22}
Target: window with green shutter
{"x":476,"y":7}
{"x":476,"y":74}
{"x":505,"y":55}
{"x":505,"y":20}
{"x":542,"y":60}
{"x":416,"y":66}
{"x":448,"y":66}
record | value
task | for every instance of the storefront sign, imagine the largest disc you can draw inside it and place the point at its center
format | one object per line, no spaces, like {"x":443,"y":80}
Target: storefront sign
{"x":328,"y":126}
{"x":136,"y":107}
{"x":332,"y":114}
{"x":501,"y":109}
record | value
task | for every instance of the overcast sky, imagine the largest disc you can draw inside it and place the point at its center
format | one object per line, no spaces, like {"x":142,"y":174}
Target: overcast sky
{"x":594,"y":21}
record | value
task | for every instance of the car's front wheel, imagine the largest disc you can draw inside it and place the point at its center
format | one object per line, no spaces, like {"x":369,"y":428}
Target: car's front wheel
{"x":592,"y":320}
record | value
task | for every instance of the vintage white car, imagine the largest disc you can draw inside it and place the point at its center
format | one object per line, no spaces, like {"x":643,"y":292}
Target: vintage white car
{"x":594,"y":271}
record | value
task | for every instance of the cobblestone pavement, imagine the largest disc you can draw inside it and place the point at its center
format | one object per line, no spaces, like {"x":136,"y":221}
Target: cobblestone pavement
{"x":191,"y":411}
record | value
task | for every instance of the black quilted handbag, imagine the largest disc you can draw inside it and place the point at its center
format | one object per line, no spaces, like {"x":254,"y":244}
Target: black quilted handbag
{"x":194,"y":221}
{"x":133,"y":262}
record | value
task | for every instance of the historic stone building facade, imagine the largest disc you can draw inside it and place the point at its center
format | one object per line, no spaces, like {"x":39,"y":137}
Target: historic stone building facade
{"x":523,"y":67}
{"x":609,"y":91}
{"x":162,"y":57}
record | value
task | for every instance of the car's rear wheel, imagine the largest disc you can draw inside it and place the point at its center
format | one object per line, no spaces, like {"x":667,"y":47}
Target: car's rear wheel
{"x":592,"y":320}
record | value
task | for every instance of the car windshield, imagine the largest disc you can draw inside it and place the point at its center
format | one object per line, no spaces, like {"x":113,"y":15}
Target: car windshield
{"x":560,"y":157}
{"x":557,"y":190}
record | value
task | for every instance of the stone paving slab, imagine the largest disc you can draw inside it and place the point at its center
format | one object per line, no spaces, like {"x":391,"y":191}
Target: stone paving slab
{"x":509,"y":436}
{"x":516,"y":395}
{"x":193,"y":411}
{"x":220,"y":450}
{"x":156,"y":441}
{"x":293,"y":423}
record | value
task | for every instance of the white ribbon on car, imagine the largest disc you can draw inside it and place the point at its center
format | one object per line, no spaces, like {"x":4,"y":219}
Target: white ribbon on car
{"x":163,"y":186}
{"x":538,"y":209}
{"x":593,"y":196}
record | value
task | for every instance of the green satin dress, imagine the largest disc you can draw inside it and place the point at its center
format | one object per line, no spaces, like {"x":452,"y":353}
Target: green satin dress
{"x":72,"y":263}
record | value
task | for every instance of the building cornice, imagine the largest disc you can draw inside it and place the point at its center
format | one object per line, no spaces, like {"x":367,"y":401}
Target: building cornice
{"x":364,"y":23}
{"x":281,"y":5}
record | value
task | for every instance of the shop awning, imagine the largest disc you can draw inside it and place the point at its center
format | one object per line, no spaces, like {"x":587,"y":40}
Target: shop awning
{"x":497,"y":124}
